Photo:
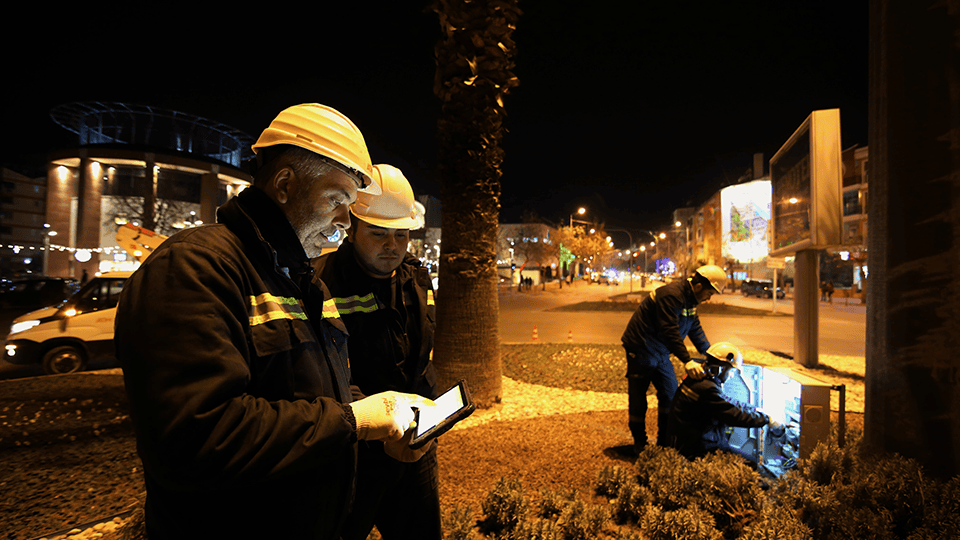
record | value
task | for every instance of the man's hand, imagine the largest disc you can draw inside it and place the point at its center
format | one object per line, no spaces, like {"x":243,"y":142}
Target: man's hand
{"x":401,"y":451}
{"x":387,"y":415}
{"x":694,"y":369}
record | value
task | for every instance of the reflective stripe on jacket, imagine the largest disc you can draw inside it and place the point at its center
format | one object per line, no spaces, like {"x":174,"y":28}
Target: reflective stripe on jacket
{"x":235,"y":381}
{"x":661,"y":322}
{"x":383,"y":356}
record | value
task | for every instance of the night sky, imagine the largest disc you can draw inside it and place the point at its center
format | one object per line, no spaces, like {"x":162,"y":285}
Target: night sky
{"x":630,"y":109}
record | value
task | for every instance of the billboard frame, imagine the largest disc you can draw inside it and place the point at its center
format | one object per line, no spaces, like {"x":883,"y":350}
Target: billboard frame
{"x":809,"y":164}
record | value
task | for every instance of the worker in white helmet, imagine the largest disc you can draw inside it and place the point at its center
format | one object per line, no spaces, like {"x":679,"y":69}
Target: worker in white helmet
{"x":385,"y":298}
{"x":656,"y":330}
{"x":701,"y":414}
{"x":235,"y":361}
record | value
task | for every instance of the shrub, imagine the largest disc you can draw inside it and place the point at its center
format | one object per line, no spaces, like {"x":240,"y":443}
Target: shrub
{"x":536,"y":529}
{"x":627,"y":535}
{"x":730,"y":490}
{"x":554,"y":502}
{"x":814,"y":504}
{"x":611,"y":480}
{"x":683,"y":524}
{"x":942,"y":516}
{"x":776,"y":523}
{"x":668,"y":475}
{"x":458,"y":524}
{"x":828,"y":463}
{"x":894,"y":484}
{"x":505,"y":506}
{"x":630,"y":502}
{"x":580,"y":521}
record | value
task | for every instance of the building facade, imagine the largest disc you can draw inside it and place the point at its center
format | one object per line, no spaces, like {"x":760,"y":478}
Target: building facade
{"x":22,"y":219}
{"x":159,"y":169}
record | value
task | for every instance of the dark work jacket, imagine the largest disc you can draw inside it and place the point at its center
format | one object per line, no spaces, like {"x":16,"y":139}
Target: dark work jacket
{"x":659,"y":325}
{"x":383,"y":354}
{"x":235,"y":396}
{"x":700,"y":414}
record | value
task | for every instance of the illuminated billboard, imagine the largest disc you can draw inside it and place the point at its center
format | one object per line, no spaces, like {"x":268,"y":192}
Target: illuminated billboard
{"x":806,"y":180}
{"x":745,"y":214}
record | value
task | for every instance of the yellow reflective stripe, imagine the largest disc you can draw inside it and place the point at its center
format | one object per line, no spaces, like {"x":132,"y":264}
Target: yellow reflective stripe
{"x":356,"y":304}
{"x":429,"y":297}
{"x":267,"y":307}
{"x":330,"y":309}
{"x":689,"y":312}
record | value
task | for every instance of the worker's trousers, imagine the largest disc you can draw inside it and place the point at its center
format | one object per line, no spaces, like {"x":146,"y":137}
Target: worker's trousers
{"x":661,"y":374}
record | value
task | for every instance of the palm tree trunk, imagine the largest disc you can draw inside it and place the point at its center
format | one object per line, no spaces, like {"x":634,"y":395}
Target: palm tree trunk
{"x":473,"y":74}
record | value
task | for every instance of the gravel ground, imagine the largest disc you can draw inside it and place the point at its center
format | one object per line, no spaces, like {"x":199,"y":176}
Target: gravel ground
{"x":67,"y":453}
{"x":68,"y":460}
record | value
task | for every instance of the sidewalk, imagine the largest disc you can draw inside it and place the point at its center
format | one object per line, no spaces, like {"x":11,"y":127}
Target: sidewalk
{"x":785,"y":305}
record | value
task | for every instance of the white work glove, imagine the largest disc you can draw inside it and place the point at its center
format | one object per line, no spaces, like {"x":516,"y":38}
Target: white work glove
{"x":387,"y":415}
{"x":401,"y":451}
{"x":694,"y":369}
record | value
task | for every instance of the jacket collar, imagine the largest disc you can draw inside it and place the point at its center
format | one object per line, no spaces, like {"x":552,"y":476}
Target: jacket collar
{"x":349,"y":268}
{"x":688,"y":292}
{"x":252,"y":215}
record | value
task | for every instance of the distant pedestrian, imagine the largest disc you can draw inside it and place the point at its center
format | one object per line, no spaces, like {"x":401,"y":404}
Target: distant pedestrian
{"x":84,"y":277}
{"x":823,"y":291}
{"x":830,"y":292}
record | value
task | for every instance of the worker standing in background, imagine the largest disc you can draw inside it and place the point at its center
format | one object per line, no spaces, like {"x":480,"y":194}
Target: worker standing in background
{"x":657,"y":328}
{"x":385,"y":298}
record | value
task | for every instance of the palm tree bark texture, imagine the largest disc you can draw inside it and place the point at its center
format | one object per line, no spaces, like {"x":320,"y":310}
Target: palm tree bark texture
{"x":474,"y":63}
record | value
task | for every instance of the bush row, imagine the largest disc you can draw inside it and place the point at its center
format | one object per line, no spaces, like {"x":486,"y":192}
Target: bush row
{"x":837,"y":493}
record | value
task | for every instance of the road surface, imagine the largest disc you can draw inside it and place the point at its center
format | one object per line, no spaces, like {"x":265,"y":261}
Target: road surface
{"x":842,"y":326}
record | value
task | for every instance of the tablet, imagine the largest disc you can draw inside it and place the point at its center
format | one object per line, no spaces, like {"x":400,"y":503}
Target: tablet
{"x":452,"y":406}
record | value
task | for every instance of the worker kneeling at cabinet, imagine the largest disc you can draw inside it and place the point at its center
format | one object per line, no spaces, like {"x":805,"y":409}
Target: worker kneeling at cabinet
{"x":700,"y":415}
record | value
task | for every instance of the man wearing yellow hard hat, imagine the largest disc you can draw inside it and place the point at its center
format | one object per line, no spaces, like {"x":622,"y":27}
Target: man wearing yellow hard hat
{"x":385,"y":298}
{"x":235,"y":362}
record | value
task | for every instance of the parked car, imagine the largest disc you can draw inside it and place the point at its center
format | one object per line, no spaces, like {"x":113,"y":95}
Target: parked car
{"x":761,"y":288}
{"x":67,"y":337}
{"x":30,"y":293}
{"x":599,"y":279}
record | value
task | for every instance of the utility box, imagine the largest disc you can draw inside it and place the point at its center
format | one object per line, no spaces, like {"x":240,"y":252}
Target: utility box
{"x":788,"y":397}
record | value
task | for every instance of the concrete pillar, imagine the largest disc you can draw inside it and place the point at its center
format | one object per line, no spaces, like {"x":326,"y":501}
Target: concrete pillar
{"x":209,"y":184}
{"x":913,"y":317}
{"x":806,"y":308}
{"x":89,"y":195}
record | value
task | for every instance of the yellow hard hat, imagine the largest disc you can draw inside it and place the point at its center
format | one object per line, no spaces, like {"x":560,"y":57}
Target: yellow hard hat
{"x":323,"y":131}
{"x":394,"y":207}
{"x":715,"y":275}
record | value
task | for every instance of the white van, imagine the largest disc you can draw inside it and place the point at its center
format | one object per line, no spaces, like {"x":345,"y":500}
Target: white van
{"x":66,"y":338}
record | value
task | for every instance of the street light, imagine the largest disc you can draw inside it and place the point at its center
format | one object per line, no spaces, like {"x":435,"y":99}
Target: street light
{"x":580,"y":211}
{"x":46,"y":248}
{"x":629,"y":269}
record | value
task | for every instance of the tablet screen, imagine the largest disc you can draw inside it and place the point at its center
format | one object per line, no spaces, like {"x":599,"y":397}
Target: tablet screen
{"x":451,"y":407}
{"x":447,"y":405}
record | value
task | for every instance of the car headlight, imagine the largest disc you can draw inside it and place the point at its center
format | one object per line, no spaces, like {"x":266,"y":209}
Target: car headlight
{"x":21,"y":326}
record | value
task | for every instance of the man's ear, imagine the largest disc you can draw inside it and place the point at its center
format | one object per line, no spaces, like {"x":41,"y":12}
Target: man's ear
{"x":282,"y":185}
{"x":697,"y":287}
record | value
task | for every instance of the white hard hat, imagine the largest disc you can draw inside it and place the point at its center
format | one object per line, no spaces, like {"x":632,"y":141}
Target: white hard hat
{"x":715,"y":275}
{"x":394,"y":207}
{"x":728,"y":355}
{"x":323,"y":131}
